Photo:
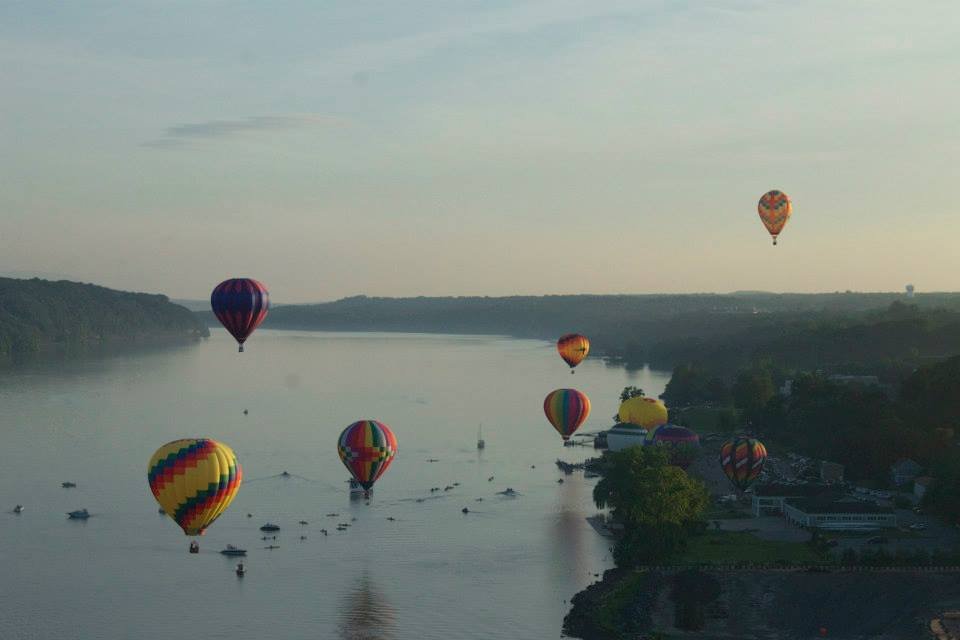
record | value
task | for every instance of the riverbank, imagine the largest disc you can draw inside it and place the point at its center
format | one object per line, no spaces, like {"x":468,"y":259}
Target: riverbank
{"x":784,"y":604}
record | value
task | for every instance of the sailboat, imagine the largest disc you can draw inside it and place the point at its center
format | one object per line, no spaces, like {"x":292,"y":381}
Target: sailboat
{"x":480,"y":443}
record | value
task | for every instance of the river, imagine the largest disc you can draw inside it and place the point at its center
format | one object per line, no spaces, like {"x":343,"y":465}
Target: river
{"x":506,"y":570}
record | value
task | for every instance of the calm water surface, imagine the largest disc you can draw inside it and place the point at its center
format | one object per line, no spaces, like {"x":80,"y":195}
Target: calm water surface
{"x":505,"y":571}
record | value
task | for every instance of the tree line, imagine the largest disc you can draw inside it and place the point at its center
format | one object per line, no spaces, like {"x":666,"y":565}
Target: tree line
{"x":39,"y":314}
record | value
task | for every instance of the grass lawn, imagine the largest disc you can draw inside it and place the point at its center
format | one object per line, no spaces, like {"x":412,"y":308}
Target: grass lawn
{"x":726,"y":512}
{"x":724,"y":547}
{"x":890,"y":534}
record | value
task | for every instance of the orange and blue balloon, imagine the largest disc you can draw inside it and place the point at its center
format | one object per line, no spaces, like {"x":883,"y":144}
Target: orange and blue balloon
{"x":774,"y":209}
{"x":742,"y":460}
{"x":240,"y":305}
{"x":367,"y":448}
{"x":566,"y":409}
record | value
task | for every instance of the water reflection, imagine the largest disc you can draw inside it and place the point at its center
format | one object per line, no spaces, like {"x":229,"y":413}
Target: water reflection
{"x":568,"y":529}
{"x":366,"y":614}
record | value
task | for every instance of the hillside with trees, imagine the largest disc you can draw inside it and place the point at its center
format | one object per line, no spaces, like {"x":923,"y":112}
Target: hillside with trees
{"x":41,"y":315}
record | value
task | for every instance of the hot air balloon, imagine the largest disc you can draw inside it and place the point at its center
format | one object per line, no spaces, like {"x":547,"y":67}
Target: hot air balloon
{"x":644,"y":411}
{"x":742,"y":460}
{"x":366,"y":448}
{"x":240,"y":305}
{"x":683,"y":443}
{"x":573,"y":348}
{"x":194,"y":481}
{"x":774,"y":209}
{"x":566,"y":409}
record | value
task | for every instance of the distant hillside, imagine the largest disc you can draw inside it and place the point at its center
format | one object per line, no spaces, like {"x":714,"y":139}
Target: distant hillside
{"x":38,"y":315}
{"x":724,"y":330}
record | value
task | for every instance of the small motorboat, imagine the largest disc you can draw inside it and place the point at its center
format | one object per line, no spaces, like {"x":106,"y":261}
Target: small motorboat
{"x":82,"y":514}
{"x":231,"y":550}
{"x":68,"y":485}
{"x":507,"y":492}
{"x":241,"y":570}
{"x":269,"y":527}
{"x":304,"y":522}
{"x":272,"y":546}
{"x":18,"y":508}
{"x":194,"y":547}
{"x":285,"y":474}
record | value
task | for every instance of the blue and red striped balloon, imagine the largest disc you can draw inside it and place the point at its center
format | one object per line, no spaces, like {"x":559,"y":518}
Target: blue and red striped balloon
{"x":566,"y":409}
{"x":240,"y":305}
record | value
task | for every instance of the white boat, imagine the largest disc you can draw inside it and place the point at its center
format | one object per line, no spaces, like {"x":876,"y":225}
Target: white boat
{"x":231,"y":550}
{"x":82,"y":514}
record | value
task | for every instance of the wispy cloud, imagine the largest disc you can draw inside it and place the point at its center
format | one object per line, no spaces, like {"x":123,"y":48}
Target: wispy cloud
{"x":179,"y":134}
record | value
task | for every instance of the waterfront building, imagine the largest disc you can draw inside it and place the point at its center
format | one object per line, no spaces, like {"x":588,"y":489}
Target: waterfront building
{"x":837,"y":515}
{"x":768,"y":499}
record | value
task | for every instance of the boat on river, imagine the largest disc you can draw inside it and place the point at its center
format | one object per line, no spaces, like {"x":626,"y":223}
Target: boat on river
{"x":231,"y":550}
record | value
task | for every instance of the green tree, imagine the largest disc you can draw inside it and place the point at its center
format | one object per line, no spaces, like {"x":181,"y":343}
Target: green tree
{"x":751,"y":393}
{"x":659,"y":505}
{"x":630,"y":392}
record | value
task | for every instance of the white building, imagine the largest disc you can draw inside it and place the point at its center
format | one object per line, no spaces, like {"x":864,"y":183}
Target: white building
{"x":768,"y":499}
{"x":838,"y":515}
{"x":625,"y":435}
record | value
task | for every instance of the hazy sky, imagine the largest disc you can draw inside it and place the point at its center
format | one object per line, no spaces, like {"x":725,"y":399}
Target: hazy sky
{"x":480,"y":147}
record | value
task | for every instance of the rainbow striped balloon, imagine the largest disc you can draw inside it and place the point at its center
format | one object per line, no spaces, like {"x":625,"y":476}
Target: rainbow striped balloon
{"x":366,"y":448}
{"x":194,"y":481}
{"x":566,"y":409}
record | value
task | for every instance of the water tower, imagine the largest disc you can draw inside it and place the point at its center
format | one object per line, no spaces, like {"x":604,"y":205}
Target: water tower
{"x":909,"y":290}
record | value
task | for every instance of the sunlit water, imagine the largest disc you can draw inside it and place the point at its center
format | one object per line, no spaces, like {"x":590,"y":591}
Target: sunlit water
{"x":505,"y":570}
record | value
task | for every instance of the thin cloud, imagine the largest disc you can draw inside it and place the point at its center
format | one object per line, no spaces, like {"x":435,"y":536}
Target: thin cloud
{"x":179,"y":134}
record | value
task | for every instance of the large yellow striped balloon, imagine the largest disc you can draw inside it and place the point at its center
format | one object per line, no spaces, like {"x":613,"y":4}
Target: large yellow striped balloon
{"x":194,"y":480}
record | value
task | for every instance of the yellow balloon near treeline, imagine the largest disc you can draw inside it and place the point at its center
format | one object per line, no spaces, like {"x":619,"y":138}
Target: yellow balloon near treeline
{"x":643,"y":411}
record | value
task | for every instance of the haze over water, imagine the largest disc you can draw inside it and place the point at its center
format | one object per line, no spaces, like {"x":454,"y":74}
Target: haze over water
{"x":505,"y":570}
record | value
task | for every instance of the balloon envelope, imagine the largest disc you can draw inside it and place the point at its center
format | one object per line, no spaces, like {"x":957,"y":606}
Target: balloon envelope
{"x":194,"y":481}
{"x":566,"y":409}
{"x":573,"y":348}
{"x":240,"y":305}
{"x":644,"y":411}
{"x":682,"y":442}
{"x":774,"y":209}
{"x":742,"y":460}
{"x":367,"y":448}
